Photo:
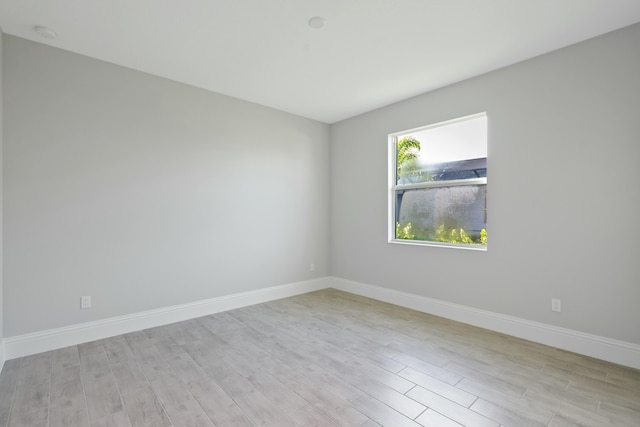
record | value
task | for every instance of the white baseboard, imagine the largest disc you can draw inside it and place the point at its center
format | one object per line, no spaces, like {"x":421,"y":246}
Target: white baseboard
{"x":620,"y":352}
{"x":37,"y":342}
{"x":608,"y":349}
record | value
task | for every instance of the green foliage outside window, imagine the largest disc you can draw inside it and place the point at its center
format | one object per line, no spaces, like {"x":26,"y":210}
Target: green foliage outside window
{"x":452,"y":236}
{"x":404,"y":233}
{"x":442,"y":235}
{"x":407,"y":166}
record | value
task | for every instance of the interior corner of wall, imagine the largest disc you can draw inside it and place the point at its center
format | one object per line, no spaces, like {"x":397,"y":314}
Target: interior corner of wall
{"x":2,"y":354}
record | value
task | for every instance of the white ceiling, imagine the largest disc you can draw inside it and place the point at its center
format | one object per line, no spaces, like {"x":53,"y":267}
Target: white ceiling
{"x":369,"y":54}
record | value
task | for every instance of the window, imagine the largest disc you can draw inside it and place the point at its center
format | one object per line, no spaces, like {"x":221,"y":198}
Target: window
{"x":438,"y":184}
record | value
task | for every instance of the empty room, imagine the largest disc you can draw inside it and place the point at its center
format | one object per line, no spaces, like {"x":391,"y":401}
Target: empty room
{"x":320,"y":213}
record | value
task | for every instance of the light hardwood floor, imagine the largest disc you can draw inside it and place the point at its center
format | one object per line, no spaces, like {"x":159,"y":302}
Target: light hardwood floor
{"x":326,"y":358}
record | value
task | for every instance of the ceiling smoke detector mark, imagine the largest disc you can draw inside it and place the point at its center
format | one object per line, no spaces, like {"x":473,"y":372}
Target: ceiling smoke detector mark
{"x":317,"y":22}
{"x":45,"y":32}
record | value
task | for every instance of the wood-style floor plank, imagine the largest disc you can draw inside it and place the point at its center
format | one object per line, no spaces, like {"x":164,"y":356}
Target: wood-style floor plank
{"x":322,"y":359}
{"x":31,"y":397}
{"x":30,"y":405}
{"x":68,"y":406}
{"x":189,"y":414}
{"x":8,"y":382}
{"x":144,"y":409}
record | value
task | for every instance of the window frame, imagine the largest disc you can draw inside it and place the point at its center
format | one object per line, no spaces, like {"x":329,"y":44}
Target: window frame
{"x":394,"y":187}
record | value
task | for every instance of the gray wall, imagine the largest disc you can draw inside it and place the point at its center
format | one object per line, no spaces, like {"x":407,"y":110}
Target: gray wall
{"x":564,"y":132}
{"x":1,"y":208}
{"x":144,"y":193}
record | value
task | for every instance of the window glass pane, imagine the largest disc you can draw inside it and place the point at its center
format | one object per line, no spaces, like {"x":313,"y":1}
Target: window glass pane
{"x":444,"y":152}
{"x":449,"y":214}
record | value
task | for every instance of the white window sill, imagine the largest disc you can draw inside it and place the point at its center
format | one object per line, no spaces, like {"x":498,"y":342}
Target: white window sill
{"x":466,"y":247}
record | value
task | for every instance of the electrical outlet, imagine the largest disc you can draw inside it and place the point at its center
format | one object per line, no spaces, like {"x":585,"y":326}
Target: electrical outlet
{"x":85,"y":302}
{"x":312,"y":267}
{"x":556,"y":305}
